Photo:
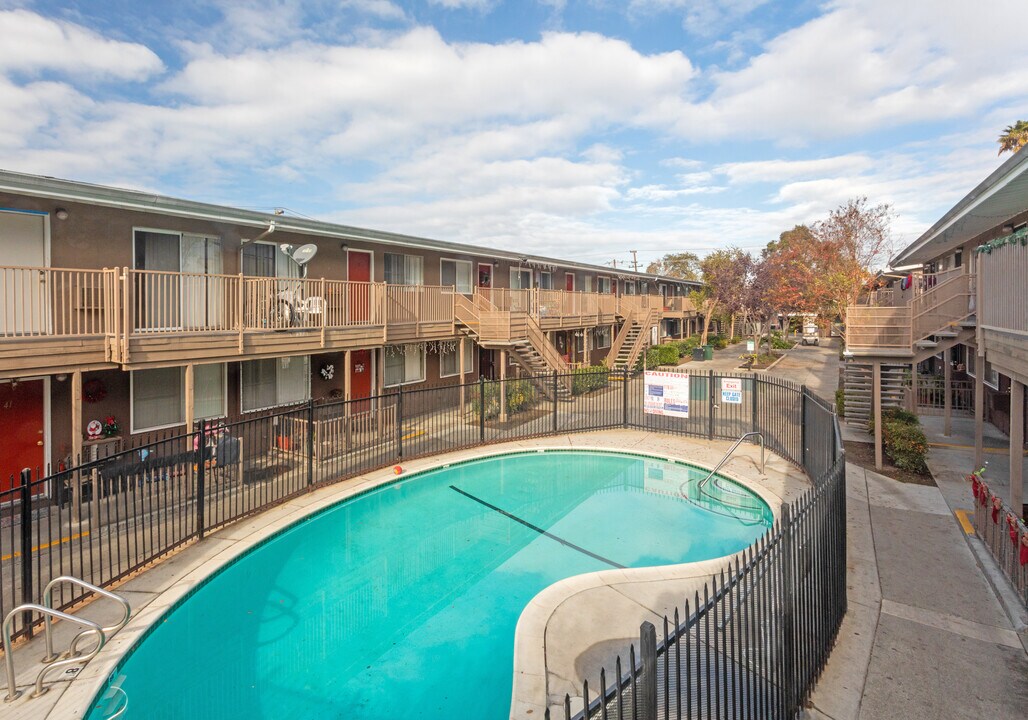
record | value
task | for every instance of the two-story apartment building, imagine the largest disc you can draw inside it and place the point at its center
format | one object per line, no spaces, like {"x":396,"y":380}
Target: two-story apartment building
{"x":956,"y":305}
{"x":159,"y":312}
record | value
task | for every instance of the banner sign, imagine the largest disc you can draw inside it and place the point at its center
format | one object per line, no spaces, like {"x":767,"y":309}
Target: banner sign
{"x":731,"y":391}
{"x":666,"y":394}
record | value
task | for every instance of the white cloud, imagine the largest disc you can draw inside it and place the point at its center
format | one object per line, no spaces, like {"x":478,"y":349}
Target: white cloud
{"x":463,"y":4}
{"x":383,"y":9}
{"x":780,"y":170}
{"x":34,"y":44}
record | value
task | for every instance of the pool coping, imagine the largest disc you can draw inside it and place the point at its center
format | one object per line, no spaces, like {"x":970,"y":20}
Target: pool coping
{"x":225,"y":546}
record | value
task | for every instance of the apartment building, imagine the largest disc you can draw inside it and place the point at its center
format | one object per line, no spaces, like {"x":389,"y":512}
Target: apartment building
{"x":947,"y":331}
{"x":159,"y":312}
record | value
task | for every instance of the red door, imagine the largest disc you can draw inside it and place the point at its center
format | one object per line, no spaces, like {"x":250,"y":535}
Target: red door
{"x":569,"y":282}
{"x":360,"y":378}
{"x":358,"y":270}
{"x":21,"y":427}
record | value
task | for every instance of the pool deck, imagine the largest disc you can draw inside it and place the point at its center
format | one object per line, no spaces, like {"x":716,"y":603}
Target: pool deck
{"x":609,"y":594}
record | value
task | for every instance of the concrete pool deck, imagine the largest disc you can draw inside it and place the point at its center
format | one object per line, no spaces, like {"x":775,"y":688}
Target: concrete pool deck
{"x":153,"y":591}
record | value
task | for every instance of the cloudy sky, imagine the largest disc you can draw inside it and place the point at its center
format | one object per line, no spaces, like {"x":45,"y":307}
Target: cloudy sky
{"x":581,"y":128}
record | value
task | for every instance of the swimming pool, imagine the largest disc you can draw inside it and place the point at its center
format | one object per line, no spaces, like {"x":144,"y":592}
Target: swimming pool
{"x":402,"y":602}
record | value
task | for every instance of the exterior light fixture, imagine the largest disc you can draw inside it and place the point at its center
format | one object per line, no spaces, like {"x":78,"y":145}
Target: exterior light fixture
{"x":61,"y":213}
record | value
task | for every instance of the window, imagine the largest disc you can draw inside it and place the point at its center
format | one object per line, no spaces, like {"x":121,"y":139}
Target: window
{"x":580,"y":343}
{"x":587,"y":284}
{"x":263,"y":259}
{"x":629,"y":287}
{"x":644,"y":288}
{"x":991,"y":376}
{"x":404,"y":365}
{"x":456,"y":273}
{"x":603,"y":284}
{"x":209,"y":391}
{"x":274,"y":381}
{"x":450,"y":359}
{"x":520,"y":279}
{"x":157,"y":398}
{"x":545,"y":280}
{"x":403,"y":269}
{"x":601,"y":337}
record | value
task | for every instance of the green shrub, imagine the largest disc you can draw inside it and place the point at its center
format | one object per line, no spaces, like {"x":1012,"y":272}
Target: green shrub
{"x":718,"y":342}
{"x":588,"y":379}
{"x":840,"y":401}
{"x":662,"y":355}
{"x":685,"y":347}
{"x":520,"y":396}
{"x":903,"y":439}
{"x":780,"y":343}
{"x":906,"y":445}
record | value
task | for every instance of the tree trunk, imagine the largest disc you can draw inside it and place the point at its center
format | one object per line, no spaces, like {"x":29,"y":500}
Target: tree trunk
{"x":706,"y":322}
{"x":731,"y":332}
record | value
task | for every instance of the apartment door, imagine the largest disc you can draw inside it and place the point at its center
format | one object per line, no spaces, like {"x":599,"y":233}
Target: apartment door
{"x":23,"y":244}
{"x":569,"y":282}
{"x":157,"y":287}
{"x":485,"y":279}
{"x":22,"y":426}
{"x":358,"y":270}
{"x":486,"y":366}
{"x":360,"y":378}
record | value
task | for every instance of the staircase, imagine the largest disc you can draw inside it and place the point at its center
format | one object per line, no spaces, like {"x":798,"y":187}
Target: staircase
{"x":539,"y":371}
{"x":631,"y":340}
{"x":857,"y":378}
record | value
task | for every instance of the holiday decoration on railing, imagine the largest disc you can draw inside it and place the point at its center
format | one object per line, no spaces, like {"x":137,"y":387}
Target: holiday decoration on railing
{"x":997,"y":505}
{"x":1019,"y":236}
{"x":1024,"y":548}
{"x":1012,"y":526}
{"x":93,"y":391}
{"x":440,"y":347}
{"x":328,"y":371}
{"x":111,"y":426}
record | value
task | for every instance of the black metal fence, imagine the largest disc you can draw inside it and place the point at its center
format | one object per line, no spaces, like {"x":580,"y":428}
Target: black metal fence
{"x":106,"y":519}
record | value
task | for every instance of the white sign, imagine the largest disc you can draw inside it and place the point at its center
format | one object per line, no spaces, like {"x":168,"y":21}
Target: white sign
{"x":731,"y":391}
{"x":666,"y":394}
{"x":749,"y":346}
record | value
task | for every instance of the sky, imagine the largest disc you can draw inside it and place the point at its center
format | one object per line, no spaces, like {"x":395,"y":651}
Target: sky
{"x":577,"y":128}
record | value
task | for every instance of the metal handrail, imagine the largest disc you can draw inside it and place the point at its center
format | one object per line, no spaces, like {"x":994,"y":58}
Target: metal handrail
{"x":731,"y":450}
{"x":12,"y":692}
{"x":48,"y":602}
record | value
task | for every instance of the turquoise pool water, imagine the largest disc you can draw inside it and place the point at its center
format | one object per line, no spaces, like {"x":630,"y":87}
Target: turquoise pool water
{"x":402,"y":603}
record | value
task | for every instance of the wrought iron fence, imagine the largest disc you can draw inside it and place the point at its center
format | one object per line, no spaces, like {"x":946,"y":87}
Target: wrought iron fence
{"x":931,"y":396}
{"x":752,"y":643}
{"x":778,"y":609}
{"x":1004,"y":534}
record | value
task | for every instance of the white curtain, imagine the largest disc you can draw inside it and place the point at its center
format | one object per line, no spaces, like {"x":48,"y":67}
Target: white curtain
{"x":209,"y":391}
{"x":157,"y":398}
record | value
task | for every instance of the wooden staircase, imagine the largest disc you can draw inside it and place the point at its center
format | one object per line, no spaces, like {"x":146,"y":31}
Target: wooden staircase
{"x":632,"y":339}
{"x":857,"y":385}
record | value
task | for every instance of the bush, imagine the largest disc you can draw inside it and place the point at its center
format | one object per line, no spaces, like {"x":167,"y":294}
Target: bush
{"x":520,"y":396}
{"x":718,"y":342}
{"x":662,"y":355}
{"x":780,"y":343}
{"x":840,"y":401}
{"x":906,"y":445}
{"x":588,"y":379}
{"x":904,"y":441}
{"x":685,"y":347}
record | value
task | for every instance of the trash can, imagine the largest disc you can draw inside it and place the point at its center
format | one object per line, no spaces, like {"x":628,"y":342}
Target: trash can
{"x":708,"y":352}
{"x":697,"y":353}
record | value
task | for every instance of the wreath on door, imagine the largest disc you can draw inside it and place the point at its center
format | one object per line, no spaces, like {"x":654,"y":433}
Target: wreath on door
{"x":93,"y":391}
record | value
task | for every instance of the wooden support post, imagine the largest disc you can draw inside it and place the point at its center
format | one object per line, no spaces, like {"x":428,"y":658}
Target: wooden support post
{"x":876,"y":404}
{"x":503,"y":386}
{"x":460,"y":377}
{"x":979,"y":413}
{"x":347,"y":374}
{"x":1016,"y":447}
{"x":587,"y":359}
{"x":190,"y":406}
{"x":76,"y":445}
{"x":380,"y":385}
{"x":947,"y":401}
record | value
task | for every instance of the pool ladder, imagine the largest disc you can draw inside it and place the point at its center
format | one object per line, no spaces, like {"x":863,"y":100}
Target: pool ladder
{"x":724,"y":460}
{"x":72,"y":656}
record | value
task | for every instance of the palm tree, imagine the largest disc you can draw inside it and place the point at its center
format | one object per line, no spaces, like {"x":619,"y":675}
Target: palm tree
{"x":1014,"y":137}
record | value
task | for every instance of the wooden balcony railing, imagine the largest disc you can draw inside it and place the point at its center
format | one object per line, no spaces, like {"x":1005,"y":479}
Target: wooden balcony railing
{"x":941,"y":307}
{"x":872,"y":328}
{"x":1004,"y":278}
{"x":39,"y":301}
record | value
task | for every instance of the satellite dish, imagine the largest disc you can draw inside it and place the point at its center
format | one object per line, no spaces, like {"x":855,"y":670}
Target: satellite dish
{"x":304,"y":254}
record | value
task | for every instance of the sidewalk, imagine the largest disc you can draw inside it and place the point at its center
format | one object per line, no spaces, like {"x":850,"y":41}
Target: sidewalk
{"x":925,"y":635}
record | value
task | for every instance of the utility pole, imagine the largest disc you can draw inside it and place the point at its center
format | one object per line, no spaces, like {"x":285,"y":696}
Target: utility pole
{"x":635,"y":261}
